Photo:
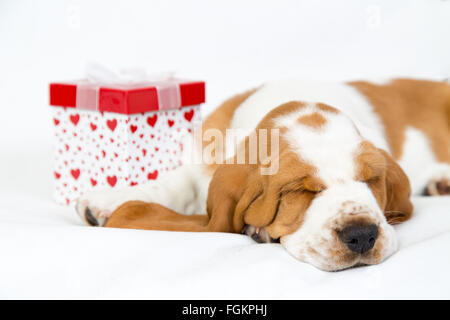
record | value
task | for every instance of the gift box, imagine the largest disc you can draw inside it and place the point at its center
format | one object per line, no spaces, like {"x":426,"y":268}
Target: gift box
{"x":111,"y":135}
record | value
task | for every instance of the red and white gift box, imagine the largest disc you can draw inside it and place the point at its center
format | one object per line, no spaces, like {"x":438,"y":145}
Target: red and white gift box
{"x":119,"y":135}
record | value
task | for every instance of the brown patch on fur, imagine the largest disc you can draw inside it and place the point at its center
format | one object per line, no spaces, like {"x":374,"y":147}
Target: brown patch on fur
{"x":424,"y":105}
{"x":282,"y":110}
{"x":326,"y":108}
{"x":152,"y":216}
{"x":314,"y":120}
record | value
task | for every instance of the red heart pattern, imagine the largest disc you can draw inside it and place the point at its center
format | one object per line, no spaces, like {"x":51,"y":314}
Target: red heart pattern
{"x":75,"y":173}
{"x":95,"y":150}
{"x":74,"y":118}
{"x":152,"y":175}
{"x":152,"y":120}
{"x":112,"y":124}
{"x":111,"y":180}
{"x":188,"y":115}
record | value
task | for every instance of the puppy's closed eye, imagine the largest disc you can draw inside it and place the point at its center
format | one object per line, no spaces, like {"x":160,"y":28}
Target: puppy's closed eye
{"x":306,"y":184}
{"x":373,"y":179}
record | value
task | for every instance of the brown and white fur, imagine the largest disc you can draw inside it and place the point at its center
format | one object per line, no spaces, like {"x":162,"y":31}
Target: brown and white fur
{"x":346,"y":153}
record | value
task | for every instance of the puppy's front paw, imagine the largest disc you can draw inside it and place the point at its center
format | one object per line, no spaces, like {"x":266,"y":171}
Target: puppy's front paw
{"x":94,"y":208}
{"x":438,"y":186}
{"x":91,"y":215}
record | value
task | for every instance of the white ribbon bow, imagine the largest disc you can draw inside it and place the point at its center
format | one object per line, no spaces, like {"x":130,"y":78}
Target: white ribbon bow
{"x":97,"y":73}
{"x":167,"y":87}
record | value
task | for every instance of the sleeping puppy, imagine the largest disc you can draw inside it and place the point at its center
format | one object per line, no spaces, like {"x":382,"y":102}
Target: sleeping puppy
{"x":326,"y":169}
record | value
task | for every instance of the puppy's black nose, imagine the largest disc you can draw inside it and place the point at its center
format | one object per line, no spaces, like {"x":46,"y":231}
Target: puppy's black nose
{"x":359,"y":238}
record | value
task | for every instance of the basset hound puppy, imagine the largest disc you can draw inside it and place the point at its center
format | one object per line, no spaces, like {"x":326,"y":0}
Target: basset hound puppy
{"x":348,"y":157}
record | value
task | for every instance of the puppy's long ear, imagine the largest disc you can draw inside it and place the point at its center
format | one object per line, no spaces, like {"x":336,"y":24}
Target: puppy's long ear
{"x":259,"y":202}
{"x":232,"y":186}
{"x":398,"y":206}
{"x":238,"y":195}
{"x":264,"y":204}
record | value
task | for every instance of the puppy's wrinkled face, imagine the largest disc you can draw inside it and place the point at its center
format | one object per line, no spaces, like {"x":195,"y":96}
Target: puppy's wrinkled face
{"x":332,"y":191}
{"x":343,"y":226}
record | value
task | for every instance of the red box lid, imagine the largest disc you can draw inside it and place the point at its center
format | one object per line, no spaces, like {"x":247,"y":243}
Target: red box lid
{"x":126,"y":101}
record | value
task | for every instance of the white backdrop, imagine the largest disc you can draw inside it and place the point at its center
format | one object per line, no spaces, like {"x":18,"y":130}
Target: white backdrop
{"x":232,"y":45}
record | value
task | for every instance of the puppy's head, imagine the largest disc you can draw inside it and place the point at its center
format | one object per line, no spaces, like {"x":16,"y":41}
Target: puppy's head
{"x":334,"y":196}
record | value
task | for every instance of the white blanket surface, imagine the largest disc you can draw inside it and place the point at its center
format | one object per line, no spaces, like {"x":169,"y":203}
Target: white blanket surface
{"x":46,"y":252}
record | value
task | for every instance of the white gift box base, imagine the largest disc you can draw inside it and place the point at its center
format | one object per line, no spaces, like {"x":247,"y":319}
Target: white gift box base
{"x":96,"y":150}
